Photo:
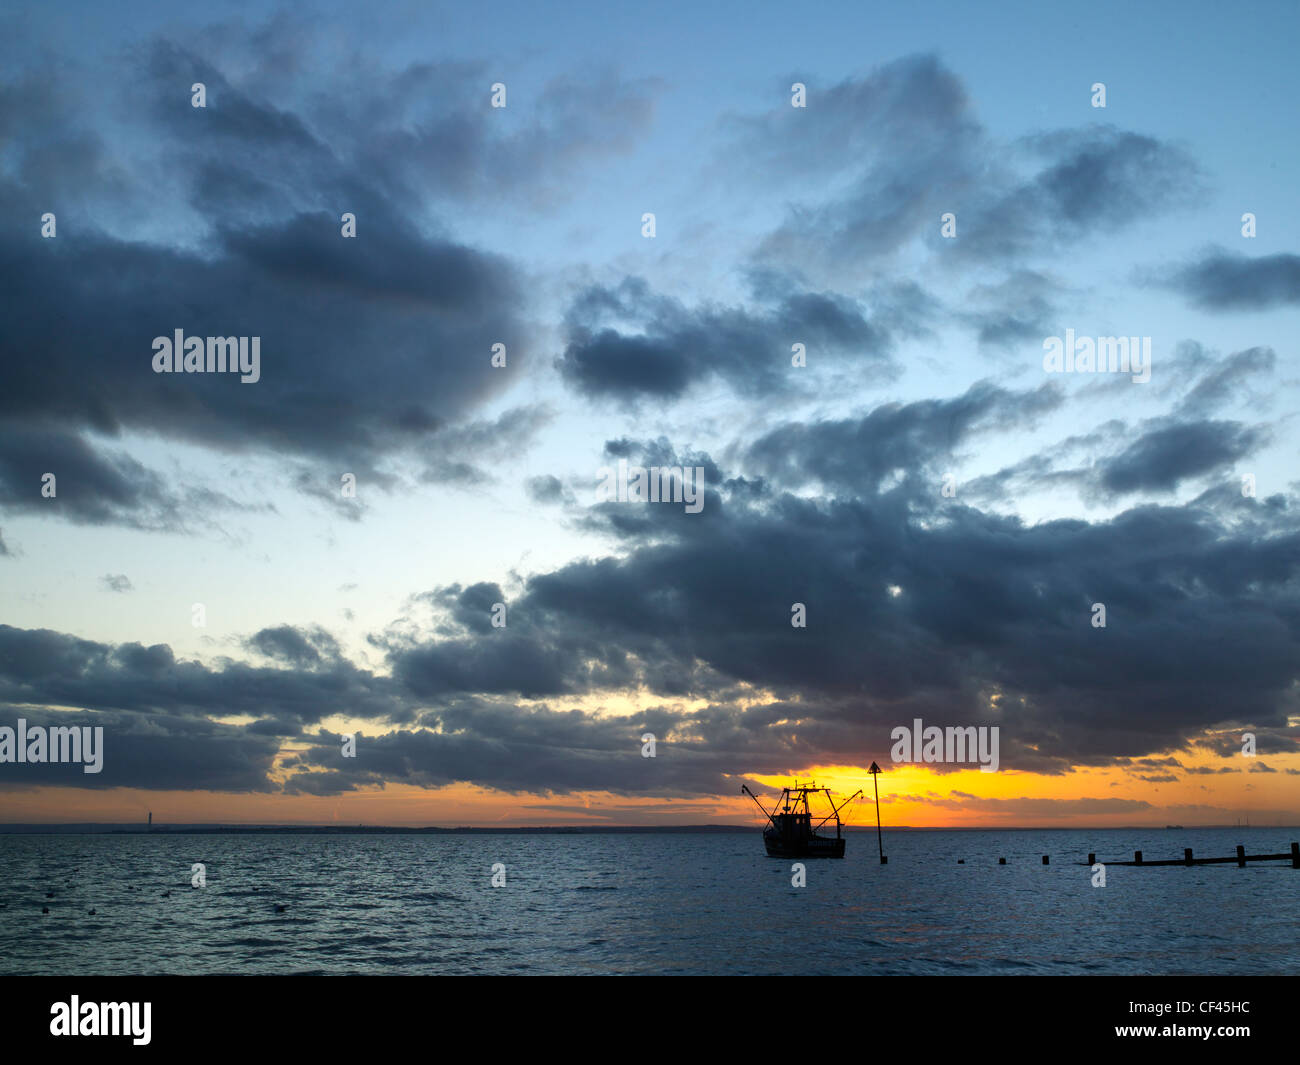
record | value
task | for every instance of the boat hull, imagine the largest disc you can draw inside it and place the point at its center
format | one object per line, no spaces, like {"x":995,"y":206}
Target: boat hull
{"x":817,"y":847}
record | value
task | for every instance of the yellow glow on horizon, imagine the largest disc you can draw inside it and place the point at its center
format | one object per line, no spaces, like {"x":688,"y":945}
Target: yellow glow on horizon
{"x":1209,"y":789}
{"x":910,"y":796}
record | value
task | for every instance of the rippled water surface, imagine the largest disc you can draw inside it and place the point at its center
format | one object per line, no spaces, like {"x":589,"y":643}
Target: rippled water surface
{"x":628,"y":903}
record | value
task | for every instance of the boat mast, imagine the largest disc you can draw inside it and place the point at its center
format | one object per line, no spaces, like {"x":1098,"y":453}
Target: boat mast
{"x":745,"y":788}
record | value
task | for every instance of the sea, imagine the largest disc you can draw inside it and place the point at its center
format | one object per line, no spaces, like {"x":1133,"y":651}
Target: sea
{"x":644,"y":903}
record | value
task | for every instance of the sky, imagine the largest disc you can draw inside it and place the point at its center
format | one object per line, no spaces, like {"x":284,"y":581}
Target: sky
{"x":870,"y":224}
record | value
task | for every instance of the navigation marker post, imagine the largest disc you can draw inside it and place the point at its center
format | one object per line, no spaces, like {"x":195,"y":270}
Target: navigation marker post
{"x":875,"y":780}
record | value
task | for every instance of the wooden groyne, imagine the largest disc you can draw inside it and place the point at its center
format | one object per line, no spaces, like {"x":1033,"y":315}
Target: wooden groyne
{"x":1239,"y":859}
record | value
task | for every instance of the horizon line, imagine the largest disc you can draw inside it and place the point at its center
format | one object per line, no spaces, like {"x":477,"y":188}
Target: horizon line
{"x":130,"y":827}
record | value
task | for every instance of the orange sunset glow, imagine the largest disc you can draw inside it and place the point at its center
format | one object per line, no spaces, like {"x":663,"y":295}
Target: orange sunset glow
{"x":1209,"y":791}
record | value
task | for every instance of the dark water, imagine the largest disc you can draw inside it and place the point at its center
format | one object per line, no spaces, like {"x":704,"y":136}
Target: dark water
{"x":677,"y":903}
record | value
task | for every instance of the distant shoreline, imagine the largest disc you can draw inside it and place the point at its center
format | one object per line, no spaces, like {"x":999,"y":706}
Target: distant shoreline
{"x":92,"y":828}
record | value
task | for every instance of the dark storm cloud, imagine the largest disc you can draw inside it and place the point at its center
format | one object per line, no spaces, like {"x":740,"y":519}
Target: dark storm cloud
{"x":41,"y":667}
{"x":524,"y":657}
{"x":467,"y":608}
{"x":303,"y":648}
{"x":345,"y":378}
{"x":515,"y":750}
{"x":155,"y":751}
{"x":274,"y":726}
{"x":906,"y":146}
{"x":499,"y":744}
{"x":372,"y":347}
{"x":116,"y":582}
{"x":1162,"y":458}
{"x":1222,"y":281}
{"x":1276,"y":740}
{"x":93,"y":486}
{"x":855,"y":454}
{"x":669,"y":347}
